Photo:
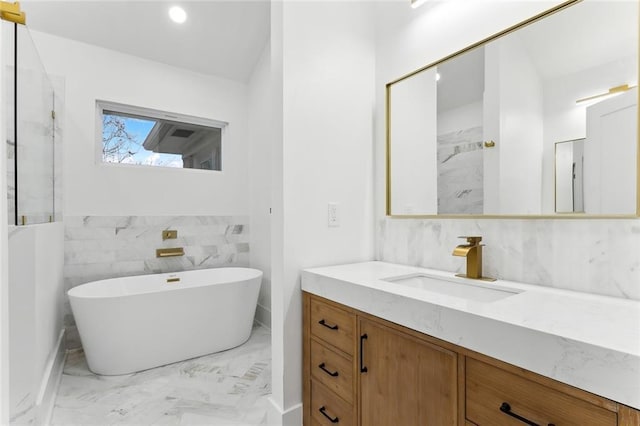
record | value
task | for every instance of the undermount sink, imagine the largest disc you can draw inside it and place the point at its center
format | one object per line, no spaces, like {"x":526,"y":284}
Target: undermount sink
{"x":476,"y":291}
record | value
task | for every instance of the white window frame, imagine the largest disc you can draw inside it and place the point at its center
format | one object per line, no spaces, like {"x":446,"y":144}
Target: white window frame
{"x":102,"y":105}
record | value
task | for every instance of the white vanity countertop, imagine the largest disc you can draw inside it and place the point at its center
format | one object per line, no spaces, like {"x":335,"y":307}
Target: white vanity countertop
{"x":587,"y":341}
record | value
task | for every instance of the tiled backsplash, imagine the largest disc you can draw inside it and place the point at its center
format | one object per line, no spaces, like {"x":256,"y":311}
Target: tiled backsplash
{"x":600,"y":256}
{"x":100,"y":247}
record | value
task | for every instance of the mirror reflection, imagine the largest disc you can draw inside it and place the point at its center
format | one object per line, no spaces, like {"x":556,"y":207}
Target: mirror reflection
{"x":569,"y":176}
{"x":478,"y":133}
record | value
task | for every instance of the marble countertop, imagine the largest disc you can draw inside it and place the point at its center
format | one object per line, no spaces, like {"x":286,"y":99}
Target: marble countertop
{"x":588,"y":341}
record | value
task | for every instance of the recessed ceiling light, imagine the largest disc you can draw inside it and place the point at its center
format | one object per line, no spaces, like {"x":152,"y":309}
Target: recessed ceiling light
{"x":177,"y":14}
{"x":417,"y":3}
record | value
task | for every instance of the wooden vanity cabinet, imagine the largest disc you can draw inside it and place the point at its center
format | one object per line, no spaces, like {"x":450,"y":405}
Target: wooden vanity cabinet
{"x":329,"y":364}
{"x":361,"y":370}
{"x":495,"y":396}
{"x":403,"y":380}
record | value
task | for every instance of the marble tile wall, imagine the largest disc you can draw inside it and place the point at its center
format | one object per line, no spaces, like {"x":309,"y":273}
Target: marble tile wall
{"x":35,"y":133}
{"x":460,"y":172}
{"x":600,"y":256}
{"x":10,"y":141}
{"x":59,"y":85}
{"x":100,"y":247}
{"x":11,"y":174}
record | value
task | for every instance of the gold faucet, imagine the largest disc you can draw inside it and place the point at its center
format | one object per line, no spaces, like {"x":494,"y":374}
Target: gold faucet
{"x":473,"y":252}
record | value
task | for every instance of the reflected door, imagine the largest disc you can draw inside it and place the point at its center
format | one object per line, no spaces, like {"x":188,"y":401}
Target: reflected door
{"x":610,"y":154}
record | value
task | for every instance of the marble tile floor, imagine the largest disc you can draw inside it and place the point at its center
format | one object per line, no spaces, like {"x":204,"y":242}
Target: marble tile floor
{"x":226,"y":388}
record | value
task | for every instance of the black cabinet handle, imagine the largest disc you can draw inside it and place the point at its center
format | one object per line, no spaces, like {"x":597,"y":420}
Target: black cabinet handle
{"x":363,"y":369}
{"x":332,"y":327}
{"x":324,"y":413}
{"x":331,"y":373}
{"x":506,"y":408}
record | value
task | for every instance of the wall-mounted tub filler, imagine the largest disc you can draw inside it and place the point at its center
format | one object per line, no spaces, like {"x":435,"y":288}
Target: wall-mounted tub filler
{"x":169,"y":252}
{"x":473,"y":252}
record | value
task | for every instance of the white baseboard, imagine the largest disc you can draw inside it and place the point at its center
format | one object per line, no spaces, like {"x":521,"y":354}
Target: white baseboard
{"x":263,"y":316}
{"x":50,"y":382}
{"x":289,"y":417}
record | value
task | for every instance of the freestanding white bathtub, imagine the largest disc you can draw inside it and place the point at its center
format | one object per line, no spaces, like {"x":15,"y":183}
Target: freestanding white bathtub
{"x":134,"y":323}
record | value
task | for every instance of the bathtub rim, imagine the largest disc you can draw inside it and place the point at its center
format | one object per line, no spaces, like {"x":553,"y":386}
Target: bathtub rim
{"x":82,"y":291}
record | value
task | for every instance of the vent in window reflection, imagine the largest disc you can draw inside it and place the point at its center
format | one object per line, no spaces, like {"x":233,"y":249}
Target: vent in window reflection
{"x":130,"y":138}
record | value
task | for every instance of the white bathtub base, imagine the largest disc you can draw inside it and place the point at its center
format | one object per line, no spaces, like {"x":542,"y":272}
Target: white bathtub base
{"x":137,"y":323}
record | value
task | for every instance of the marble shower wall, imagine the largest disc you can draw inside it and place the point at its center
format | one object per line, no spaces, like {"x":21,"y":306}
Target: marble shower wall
{"x":460,"y":172}
{"x":597,"y":256}
{"x":100,"y":247}
{"x":11,"y":176}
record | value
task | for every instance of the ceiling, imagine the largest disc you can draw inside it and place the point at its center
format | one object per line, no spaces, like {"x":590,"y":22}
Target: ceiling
{"x":557,"y":47}
{"x":221,"y":38}
{"x":560,"y":47}
{"x":461,"y":80}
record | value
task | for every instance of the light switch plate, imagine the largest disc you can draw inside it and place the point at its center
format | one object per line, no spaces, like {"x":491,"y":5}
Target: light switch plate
{"x":333,"y":215}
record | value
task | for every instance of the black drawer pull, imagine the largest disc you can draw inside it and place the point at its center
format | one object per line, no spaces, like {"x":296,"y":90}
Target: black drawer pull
{"x":506,"y":408}
{"x":363,"y":369}
{"x":331,"y":373}
{"x":324,"y":413}
{"x":332,"y":327}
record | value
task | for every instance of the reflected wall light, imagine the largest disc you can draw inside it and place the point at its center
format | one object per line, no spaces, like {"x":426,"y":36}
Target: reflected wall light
{"x":612,"y":91}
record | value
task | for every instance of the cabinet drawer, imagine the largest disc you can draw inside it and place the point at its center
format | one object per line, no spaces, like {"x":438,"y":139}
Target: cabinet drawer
{"x":333,"y":325}
{"x":333,"y":370}
{"x":489,"y":388}
{"x":327,"y":409}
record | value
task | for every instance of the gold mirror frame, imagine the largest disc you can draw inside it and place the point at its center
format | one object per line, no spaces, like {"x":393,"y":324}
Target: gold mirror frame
{"x":509,"y":30}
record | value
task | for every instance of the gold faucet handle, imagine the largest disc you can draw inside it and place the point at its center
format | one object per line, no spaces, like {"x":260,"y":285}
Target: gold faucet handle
{"x":473,"y":240}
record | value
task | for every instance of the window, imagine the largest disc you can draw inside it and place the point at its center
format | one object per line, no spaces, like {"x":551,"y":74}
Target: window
{"x":140,"y":136}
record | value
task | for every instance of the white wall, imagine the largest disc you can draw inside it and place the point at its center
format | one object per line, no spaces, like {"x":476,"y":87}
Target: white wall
{"x":94,"y":189}
{"x":260,"y":101}
{"x":513,"y":120}
{"x":413,"y":157}
{"x":22,"y":363}
{"x":36,"y":258}
{"x":491,"y":130}
{"x":326,"y":52}
{"x":280,"y":414}
{"x":521,"y":126}
{"x":4,"y":238}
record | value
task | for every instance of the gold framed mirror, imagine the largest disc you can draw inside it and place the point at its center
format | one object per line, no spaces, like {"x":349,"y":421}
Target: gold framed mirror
{"x":474,"y":134}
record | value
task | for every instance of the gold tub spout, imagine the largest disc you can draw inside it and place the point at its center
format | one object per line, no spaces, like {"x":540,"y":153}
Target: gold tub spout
{"x":169,"y":252}
{"x":473,"y":252}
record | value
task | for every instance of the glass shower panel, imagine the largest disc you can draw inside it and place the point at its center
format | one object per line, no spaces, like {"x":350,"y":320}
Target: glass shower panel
{"x":34,"y":135}
{"x":8,"y":61}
